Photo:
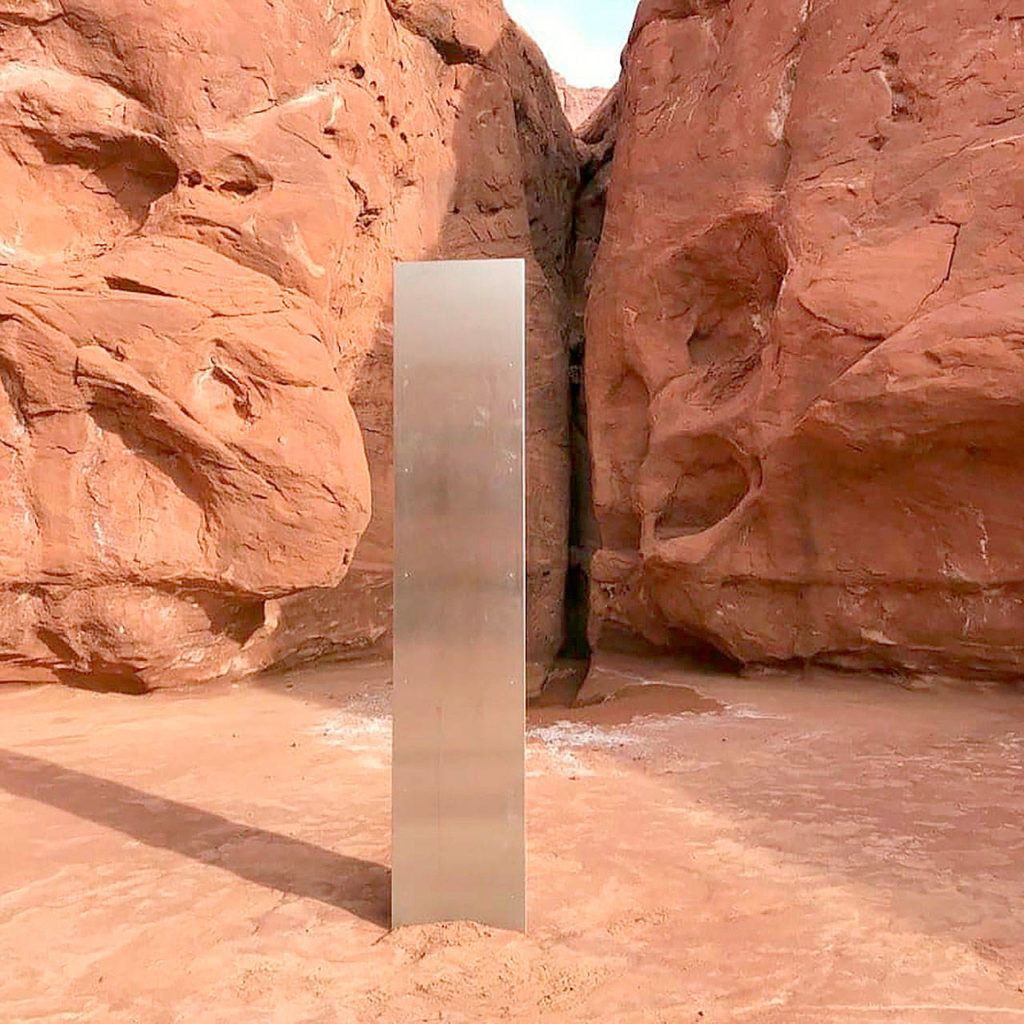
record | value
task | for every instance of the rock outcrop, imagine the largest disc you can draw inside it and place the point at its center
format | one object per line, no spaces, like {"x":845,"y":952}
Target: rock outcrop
{"x":804,"y":367}
{"x":803,"y":359}
{"x":578,"y":102}
{"x":200,"y":213}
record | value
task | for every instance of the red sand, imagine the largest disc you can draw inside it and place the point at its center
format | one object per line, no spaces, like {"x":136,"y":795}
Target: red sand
{"x":784,"y":850}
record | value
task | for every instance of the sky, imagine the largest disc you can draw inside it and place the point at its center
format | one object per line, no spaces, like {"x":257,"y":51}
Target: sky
{"x":582,"y":39}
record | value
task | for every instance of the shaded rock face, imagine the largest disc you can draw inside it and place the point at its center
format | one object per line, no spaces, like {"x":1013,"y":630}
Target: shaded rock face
{"x":201,"y":208}
{"x":804,"y":369}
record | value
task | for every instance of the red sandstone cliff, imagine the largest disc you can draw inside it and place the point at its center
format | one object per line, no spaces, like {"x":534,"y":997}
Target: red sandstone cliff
{"x":804,"y":368}
{"x":578,"y":102}
{"x":200,"y":213}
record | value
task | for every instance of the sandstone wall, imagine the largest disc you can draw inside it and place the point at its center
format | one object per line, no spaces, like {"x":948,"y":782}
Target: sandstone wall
{"x":201,"y":208}
{"x":804,"y":367}
{"x":578,"y":102}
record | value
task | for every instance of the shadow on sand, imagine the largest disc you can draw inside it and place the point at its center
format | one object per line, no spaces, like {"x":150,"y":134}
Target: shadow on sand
{"x":269,"y":859}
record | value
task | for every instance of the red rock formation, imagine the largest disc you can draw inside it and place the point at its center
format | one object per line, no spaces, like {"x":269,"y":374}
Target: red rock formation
{"x":578,"y":102}
{"x":804,"y":365}
{"x":201,"y":208}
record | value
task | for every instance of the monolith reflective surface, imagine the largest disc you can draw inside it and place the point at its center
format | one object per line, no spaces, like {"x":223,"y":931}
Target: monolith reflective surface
{"x":459,"y":675}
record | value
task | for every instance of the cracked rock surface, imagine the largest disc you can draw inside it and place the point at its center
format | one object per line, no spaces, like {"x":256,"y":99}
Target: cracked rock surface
{"x":201,"y":207}
{"x":804,"y":368}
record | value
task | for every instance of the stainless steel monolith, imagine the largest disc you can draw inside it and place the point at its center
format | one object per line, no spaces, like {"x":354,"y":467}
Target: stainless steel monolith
{"x":459,"y":627}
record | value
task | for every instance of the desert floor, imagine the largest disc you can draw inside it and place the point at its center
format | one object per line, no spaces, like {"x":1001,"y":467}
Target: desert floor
{"x":816,"y":849}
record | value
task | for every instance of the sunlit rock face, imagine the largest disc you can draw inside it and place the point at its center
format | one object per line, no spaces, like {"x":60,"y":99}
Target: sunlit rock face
{"x":578,"y":102}
{"x":200,"y":210}
{"x":804,"y":365}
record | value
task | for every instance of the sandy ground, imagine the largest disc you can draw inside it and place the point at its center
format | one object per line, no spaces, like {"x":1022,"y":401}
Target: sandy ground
{"x":782,"y":850}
